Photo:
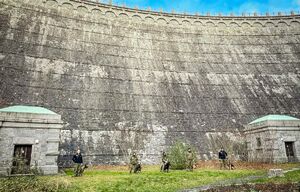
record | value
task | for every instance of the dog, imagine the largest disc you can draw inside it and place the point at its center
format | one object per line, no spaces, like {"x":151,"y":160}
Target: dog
{"x":230,"y":165}
{"x":81,"y":169}
{"x":166,"y":166}
{"x":137,"y":168}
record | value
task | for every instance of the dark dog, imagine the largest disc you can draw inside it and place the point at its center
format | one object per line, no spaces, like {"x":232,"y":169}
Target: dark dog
{"x":166,"y":167}
{"x":231,"y":166}
{"x":137,"y":168}
{"x":81,"y":169}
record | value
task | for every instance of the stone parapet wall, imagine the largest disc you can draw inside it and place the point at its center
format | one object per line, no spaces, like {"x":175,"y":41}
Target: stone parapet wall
{"x":92,"y":10}
{"x":126,"y":79}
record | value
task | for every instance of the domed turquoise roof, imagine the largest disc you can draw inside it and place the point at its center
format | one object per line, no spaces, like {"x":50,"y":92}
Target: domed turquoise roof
{"x":274,"y":118}
{"x":27,"y":109}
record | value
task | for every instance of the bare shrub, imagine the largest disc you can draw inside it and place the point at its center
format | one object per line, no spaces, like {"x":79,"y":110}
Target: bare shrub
{"x":238,"y":148}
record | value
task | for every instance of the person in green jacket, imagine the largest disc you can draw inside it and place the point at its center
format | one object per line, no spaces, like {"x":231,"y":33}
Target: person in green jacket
{"x":165,"y":163}
{"x":190,"y":159}
{"x":133,"y":162}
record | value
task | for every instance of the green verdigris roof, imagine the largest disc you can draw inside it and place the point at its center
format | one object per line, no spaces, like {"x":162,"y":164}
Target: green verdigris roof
{"x":27,"y":109}
{"x":274,"y":118}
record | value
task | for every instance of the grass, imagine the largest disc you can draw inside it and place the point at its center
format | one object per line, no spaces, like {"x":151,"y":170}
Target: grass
{"x":35,"y":184}
{"x":117,"y":178}
{"x":151,"y":179}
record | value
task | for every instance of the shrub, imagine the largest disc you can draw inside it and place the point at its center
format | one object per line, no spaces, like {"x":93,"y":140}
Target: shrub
{"x":178,"y":155}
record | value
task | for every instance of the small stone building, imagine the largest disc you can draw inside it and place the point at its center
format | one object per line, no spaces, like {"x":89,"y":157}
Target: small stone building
{"x":29,"y":139}
{"x":273,"y":138}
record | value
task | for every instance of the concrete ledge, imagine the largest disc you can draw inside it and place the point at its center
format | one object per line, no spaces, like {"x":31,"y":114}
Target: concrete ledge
{"x":275,"y":173}
{"x":49,"y":169}
{"x":32,"y":125}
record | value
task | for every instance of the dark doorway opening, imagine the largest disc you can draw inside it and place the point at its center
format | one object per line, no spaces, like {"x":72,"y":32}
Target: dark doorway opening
{"x":21,"y":159}
{"x":289,"y":148}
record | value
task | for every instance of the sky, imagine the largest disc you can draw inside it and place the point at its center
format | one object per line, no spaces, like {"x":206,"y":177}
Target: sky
{"x":214,"y":6}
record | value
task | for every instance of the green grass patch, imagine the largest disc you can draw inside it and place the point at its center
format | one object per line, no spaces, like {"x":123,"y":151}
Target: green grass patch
{"x":118,"y":179}
{"x":151,"y":179}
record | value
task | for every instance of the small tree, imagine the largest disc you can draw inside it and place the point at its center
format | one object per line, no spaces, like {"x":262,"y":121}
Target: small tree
{"x":178,"y":155}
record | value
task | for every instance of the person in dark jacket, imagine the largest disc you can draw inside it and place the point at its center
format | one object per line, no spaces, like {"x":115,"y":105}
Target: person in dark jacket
{"x":77,"y":159}
{"x":222,"y":158}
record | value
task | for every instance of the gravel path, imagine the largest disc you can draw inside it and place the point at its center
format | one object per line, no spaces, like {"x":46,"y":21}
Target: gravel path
{"x":238,"y":181}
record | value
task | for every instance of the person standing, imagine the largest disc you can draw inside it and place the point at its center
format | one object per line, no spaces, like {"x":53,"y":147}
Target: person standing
{"x":133,"y":162}
{"x":190,"y":159}
{"x":222,"y":158}
{"x":77,"y":159}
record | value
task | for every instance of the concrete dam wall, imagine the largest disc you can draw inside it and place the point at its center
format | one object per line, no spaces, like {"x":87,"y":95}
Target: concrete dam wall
{"x":131,"y":80}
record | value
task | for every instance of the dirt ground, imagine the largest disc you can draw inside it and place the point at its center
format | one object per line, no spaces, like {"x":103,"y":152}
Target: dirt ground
{"x":214,"y":164}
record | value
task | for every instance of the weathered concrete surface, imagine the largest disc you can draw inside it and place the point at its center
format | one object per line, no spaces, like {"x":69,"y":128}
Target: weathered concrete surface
{"x":136,"y":80}
{"x":275,"y":173}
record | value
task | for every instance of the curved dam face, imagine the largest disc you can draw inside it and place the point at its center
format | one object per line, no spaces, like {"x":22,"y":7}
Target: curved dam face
{"x":130,"y":80}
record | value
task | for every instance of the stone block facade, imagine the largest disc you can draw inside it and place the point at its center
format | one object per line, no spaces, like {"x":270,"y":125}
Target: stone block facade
{"x":273,"y":141}
{"x":39,"y":132}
